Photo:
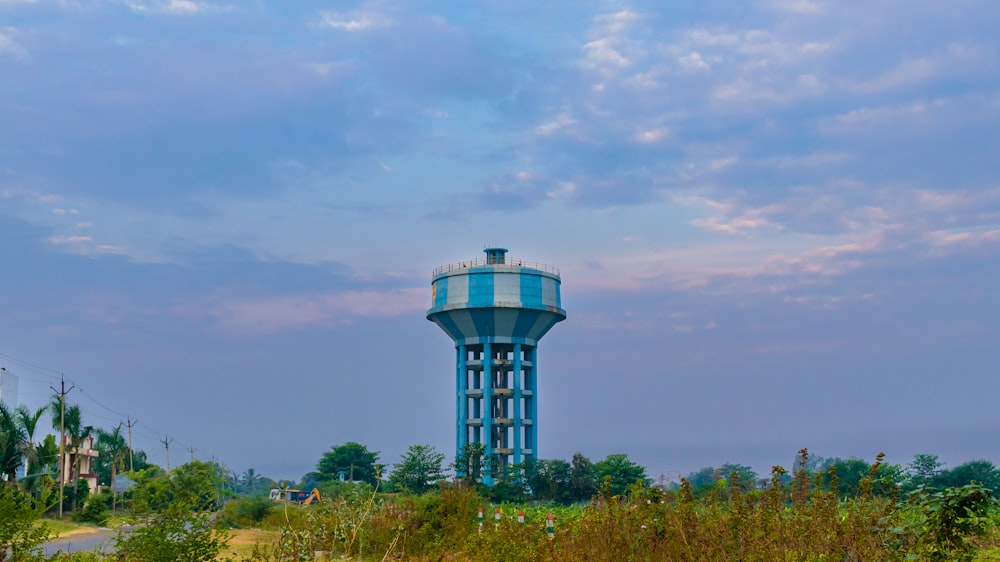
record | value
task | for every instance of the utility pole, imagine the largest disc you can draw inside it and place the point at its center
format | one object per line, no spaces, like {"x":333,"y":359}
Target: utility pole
{"x":131,"y":465}
{"x":166,"y":443}
{"x":62,"y":436}
{"x":192,"y":450}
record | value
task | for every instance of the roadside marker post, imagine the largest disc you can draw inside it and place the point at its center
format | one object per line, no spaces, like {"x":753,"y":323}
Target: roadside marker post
{"x":550,"y":526}
{"x":520,"y":516}
{"x":496,"y":517}
{"x":479,"y":516}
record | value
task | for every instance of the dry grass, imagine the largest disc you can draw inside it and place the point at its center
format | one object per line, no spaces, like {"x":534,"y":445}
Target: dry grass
{"x":242,"y":542}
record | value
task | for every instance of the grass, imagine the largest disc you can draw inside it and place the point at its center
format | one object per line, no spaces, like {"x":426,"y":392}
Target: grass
{"x":242,"y":542}
{"x":67,"y":528}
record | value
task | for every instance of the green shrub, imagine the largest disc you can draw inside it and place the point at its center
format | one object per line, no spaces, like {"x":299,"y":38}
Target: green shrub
{"x":175,"y":534}
{"x":247,"y":511}
{"x":96,"y":510}
{"x":19,"y":531}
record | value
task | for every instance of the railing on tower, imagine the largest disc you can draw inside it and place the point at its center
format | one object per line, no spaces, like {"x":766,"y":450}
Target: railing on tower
{"x":511,"y":263}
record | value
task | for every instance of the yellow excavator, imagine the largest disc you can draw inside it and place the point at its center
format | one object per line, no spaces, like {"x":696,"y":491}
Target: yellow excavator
{"x":295,"y":496}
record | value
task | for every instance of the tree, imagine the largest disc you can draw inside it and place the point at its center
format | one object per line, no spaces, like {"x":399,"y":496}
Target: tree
{"x":71,"y":421}
{"x":924,"y":470}
{"x":28,"y":422}
{"x":619,"y":473}
{"x":470,"y":462}
{"x":353,"y":460}
{"x":113,"y":450}
{"x":250,"y":481}
{"x":550,"y":480}
{"x":14,"y":445}
{"x":702,"y":478}
{"x":195,"y":484}
{"x":420,"y":469}
{"x":582,"y":479}
{"x":745,"y":476}
{"x":850,"y":472}
{"x":981,"y":472}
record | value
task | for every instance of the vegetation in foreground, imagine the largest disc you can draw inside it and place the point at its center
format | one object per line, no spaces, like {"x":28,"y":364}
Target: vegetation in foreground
{"x":797,"y":516}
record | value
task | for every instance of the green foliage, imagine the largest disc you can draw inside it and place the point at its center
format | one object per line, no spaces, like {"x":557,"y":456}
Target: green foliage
{"x":981,"y":472}
{"x":19,"y":531}
{"x":420,"y":469}
{"x":96,"y":510}
{"x":619,"y":474}
{"x":582,"y":479}
{"x":923,"y":471}
{"x":470,"y":463}
{"x":175,"y":534}
{"x":14,"y":443}
{"x":551,"y":480}
{"x":247,"y":511}
{"x":705,"y":479}
{"x":512,"y":488}
{"x":944,"y":525}
{"x":195,"y":484}
{"x":352,"y":459}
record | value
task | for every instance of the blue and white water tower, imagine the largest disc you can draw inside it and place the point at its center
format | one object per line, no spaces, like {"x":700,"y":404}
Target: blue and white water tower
{"x":496,"y":309}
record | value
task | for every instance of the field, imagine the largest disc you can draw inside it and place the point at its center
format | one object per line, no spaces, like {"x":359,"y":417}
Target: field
{"x":800,"y":521}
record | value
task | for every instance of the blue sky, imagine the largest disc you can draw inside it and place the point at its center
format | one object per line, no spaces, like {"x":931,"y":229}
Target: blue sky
{"x":777,"y":221}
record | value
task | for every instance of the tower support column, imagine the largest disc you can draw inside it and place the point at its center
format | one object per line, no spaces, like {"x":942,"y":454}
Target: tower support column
{"x":489,"y":437}
{"x":462,"y":399}
{"x":516,"y":383}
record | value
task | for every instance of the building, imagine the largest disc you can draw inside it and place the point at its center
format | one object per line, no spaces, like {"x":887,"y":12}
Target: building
{"x":86,"y":453}
{"x":496,"y":310}
{"x":8,"y":388}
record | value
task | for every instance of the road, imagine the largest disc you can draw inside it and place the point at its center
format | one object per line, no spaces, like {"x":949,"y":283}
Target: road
{"x":81,"y":542}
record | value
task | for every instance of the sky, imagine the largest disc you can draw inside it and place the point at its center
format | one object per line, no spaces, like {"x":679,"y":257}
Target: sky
{"x":777,"y":221}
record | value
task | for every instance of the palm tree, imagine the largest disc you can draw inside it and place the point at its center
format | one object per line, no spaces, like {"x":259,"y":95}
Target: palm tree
{"x":12,"y":446}
{"x":113,"y":445}
{"x":250,"y":480}
{"x":72,"y":424}
{"x":28,"y":422}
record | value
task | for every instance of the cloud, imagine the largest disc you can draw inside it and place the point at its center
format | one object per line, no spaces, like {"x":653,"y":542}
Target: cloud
{"x":62,"y":239}
{"x":939,"y":239}
{"x":798,"y":6}
{"x":183,"y":7}
{"x":175,"y":7}
{"x":357,"y":21}
{"x":8,"y":42}
{"x":954,"y":60}
{"x":283,"y":313}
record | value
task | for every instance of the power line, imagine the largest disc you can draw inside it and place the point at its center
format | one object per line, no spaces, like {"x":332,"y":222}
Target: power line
{"x":56,"y":375}
{"x":37,"y":369}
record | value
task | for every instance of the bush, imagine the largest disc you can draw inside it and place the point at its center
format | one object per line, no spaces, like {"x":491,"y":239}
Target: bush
{"x":95,"y":510}
{"x":247,"y":511}
{"x":176,"y":534}
{"x":18,"y":531}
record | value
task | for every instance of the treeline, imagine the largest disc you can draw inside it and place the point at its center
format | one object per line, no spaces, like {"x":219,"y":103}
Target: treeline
{"x":423,"y":468}
{"x":925,"y":471}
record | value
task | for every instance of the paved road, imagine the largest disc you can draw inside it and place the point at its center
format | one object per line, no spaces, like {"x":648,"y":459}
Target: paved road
{"x":80,"y":543}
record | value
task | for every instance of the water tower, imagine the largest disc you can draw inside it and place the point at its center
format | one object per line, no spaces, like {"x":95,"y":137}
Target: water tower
{"x":496,"y":309}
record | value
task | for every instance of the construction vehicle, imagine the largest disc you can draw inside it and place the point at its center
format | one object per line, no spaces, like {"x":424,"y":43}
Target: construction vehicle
{"x":295,"y":496}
